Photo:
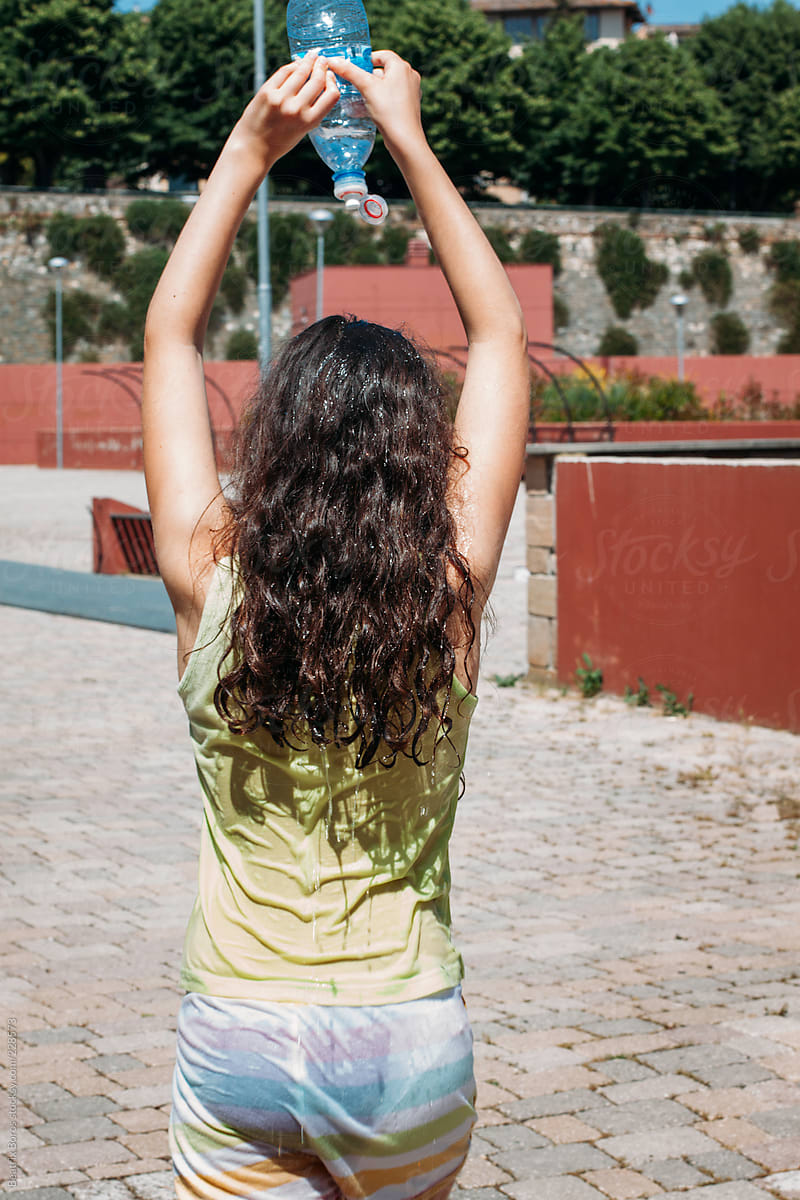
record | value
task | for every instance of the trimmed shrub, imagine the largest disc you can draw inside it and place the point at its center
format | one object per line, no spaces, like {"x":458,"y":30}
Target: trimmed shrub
{"x":712,"y":271}
{"x":617,"y":340}
{"x":686,"y":279}
{"x":560,"y":312}
{"x":242,"y":346}
{"x":394,"y":244}
{"x":137,"y":277}
{"x":538,"y":246}
{"x":784,"y":259}
{"x":498,"y":240}
{"x":102,"y":243}
{"x":156,"y":221}
{"x":78,"y":310}
{"x":729,"y":334}
{"x":631,"y":279}
{"x":291,"y":249}
{"x":716,"y":233}
{"x":233,"y":287}
{"x":62,"y":233}
{"x":750,"y":239}
{"x":113,"y":323}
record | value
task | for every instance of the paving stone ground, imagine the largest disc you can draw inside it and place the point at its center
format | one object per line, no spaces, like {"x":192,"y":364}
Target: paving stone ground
{"x":625,"y":896}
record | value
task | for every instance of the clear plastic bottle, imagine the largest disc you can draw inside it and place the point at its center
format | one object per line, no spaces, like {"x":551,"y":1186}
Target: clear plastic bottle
{"x":345,"y":138}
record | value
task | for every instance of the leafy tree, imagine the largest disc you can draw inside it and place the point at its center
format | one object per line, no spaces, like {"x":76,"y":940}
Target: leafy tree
{"x":471,"y":128}
{"x":75,"y":87}
{"x":749,"y":56}
{"x":203,"y":60}
{"x":548,"y":73}
{"x":642,"y":114}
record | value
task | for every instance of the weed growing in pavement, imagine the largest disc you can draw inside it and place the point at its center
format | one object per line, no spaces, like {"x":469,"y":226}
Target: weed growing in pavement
{"x":506,"y":680}
{"x":639,"y":698}
{"x":590,"y":678}
{"x":672,"y":705}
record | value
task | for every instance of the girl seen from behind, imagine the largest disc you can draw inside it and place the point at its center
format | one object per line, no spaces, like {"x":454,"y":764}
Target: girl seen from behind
{"x":327,"y":612}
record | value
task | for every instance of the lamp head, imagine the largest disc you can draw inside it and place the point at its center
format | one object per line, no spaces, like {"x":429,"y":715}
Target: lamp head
{"x":320,"y":218}
{"x":58,"y":263}
{"x":679,"y":302}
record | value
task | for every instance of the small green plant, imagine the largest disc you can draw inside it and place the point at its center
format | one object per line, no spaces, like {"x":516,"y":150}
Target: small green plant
{"x":617,"y":341}
{"x":242,"y":346}
{"x":631,"y":279}
{"x":590,"y":677}
{"x":749,"y":239}
{"x":394,"y":244}
{"x":63,"y":231}
{"x":672,"y":705}
{"x":101,"y":243}
{"x":784,"y":259}
{"x":729,"y":334}
{"x":498,"y":239}
{"x":639,"y":698}
{"x":538,"y":246}
{"x":78,"y":311}
{"x":113,"y":323}
{"x":716,"y":233}
{"x":156,"y":221}
{"x":686,"y":279}
{"x":712,"y":271}
{"x":233,"y":287}
{"x":505,"y":681}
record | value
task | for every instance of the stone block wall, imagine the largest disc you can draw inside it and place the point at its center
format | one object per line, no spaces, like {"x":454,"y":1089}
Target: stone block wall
{"x":540,"y":537}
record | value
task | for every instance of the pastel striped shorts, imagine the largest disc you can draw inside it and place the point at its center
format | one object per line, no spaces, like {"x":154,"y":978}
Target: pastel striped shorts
{"x":303,"y":1101}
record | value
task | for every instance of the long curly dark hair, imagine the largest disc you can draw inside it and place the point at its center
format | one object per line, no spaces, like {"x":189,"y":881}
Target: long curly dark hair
{"x":342,"y":540}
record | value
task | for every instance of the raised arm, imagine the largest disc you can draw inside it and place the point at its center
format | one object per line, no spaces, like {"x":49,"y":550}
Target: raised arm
{"x":492,"y":415}
{"x":183,"y":486}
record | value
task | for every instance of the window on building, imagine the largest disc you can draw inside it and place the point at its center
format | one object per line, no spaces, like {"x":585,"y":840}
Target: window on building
{"x":591,"y":26}
{"x":519,"y":27}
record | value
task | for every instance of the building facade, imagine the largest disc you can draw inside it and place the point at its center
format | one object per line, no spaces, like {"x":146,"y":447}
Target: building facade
{"x":605,"y":22}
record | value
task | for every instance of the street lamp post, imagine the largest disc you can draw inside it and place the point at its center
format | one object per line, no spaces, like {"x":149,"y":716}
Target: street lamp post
{"x":679,"y":302}
{"x":320,"y":219}
{"x":57,"y":265}
{"x":262,"y":206}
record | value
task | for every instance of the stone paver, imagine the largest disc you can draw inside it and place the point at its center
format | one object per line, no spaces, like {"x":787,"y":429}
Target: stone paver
{"x":630,"y":932}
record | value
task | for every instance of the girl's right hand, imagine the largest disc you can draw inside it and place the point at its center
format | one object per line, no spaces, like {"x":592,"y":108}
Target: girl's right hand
{"x":392,"y":96}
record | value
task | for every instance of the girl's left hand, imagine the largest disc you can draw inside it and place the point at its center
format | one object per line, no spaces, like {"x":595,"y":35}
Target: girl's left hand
{"x":292,"y":101}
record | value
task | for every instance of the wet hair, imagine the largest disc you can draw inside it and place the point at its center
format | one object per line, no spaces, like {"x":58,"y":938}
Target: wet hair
{"x":343,"y":539}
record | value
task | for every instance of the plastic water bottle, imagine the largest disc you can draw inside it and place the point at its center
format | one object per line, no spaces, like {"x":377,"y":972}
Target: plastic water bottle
{"x":344,"y":139}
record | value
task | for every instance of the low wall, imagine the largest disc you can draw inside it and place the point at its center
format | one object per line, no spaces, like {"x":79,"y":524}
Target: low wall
{"x":679,"y":569}
{"x":102,"y":413}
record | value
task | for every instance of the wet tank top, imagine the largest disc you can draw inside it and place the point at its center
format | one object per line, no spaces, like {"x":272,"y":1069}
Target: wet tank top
{"x":318,"y":882}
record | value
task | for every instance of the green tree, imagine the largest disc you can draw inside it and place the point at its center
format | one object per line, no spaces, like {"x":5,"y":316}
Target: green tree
{"x":643,"y":124}
{"x":203,"y":60}
{"x":749,"y":57}
{"x":471,"y":102}
{"x":548,"y":74}
{"x":75,"y":88}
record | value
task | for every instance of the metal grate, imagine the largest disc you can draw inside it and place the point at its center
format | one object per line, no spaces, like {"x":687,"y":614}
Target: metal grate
{"x":135,"y":536}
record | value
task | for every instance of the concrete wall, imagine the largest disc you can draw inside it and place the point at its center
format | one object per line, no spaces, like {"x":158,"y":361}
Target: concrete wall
{"x":684,"y":571}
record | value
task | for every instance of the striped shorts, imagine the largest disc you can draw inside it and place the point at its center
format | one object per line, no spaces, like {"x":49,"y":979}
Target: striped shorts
{"x":303,"y":1101}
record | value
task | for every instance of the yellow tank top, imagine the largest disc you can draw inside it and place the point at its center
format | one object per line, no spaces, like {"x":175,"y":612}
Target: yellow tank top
{"x":317,"y":882}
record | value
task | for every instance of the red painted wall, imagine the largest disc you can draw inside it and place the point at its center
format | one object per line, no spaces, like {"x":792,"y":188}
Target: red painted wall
{"x":687,"y":573}
{"x":101,"y":411}
{"x":416,"y":298}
